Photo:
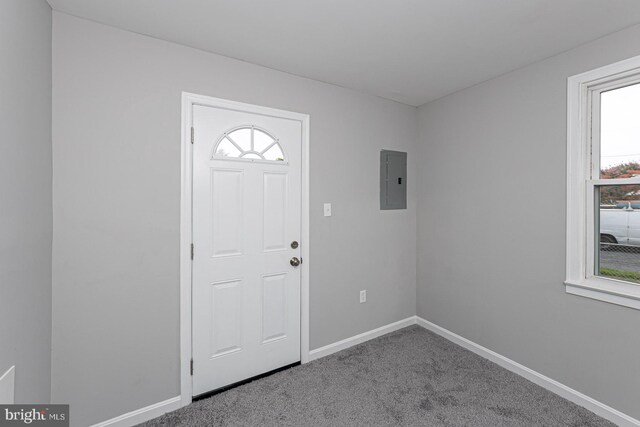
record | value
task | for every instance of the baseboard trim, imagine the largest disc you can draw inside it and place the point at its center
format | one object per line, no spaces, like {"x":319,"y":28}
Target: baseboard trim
{"x":143,"y":414}
{"x":623,"y":420}
{"x":360,"y":338}
{"x":554,"y":386}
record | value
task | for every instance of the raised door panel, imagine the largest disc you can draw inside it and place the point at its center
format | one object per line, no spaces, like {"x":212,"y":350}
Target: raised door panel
{"x":227,"y":195}
{"x":275,"y":189}
{"x":226,"y":318}
{"x":274,"y":307}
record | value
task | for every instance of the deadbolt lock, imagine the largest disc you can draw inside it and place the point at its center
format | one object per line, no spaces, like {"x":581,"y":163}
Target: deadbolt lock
{"x":294,"y":245}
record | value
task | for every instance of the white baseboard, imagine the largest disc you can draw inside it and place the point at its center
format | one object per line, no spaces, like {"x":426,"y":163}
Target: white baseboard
{"x":554,"y":386}
{"x":153,"y":411}
{"x":7,"y":386}
{"x":599,"y":408}
{"x":358,"y":339}
{"x":143,"y":414}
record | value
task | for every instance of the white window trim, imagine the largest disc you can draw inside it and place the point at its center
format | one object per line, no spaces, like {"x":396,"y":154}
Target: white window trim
{"x":580,"y":279}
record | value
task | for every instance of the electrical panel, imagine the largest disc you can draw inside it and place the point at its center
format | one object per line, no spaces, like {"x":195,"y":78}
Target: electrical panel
{"x":393,"y":180}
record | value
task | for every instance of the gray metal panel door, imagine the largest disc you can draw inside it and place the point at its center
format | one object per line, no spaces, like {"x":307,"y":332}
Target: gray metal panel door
{"x":393,"y":180}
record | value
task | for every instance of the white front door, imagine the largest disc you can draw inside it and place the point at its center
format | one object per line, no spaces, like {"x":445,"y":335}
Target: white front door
{"x":246,"y":235}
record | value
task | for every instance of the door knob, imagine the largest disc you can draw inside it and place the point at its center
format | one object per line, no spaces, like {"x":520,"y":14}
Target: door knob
{"x":294,"y":261}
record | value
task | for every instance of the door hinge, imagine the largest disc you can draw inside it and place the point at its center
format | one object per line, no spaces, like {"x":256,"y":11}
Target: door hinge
{"x":191,"y":367}
{"x":192,"y":135}
{"x":192,"y":250}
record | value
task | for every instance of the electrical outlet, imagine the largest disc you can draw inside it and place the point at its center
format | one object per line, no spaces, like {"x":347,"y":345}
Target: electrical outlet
{"x":363,"y":296}
{"x":327,"y":209}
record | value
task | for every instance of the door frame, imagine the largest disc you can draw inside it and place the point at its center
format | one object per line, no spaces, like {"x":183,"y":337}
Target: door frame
{"x":186,"y":203}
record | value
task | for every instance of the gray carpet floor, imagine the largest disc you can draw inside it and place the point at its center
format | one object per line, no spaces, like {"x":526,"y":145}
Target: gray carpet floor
{"x":411,"y":377}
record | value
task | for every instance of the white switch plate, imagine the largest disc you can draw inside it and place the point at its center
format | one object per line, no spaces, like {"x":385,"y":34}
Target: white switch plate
{"x":363,"y":296}
{"x":327,"y":209}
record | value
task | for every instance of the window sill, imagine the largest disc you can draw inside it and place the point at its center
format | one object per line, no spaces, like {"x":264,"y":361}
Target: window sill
{"x":611,"y":291}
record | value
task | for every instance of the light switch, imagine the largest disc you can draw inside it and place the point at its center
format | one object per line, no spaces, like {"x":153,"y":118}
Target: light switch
{"x":327,"y":209}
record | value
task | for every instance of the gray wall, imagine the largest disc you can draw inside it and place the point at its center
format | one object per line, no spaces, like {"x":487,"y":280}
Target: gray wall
{"x":116,"y":208}
{"x":25,"y":196}
{"x":491,"y":229}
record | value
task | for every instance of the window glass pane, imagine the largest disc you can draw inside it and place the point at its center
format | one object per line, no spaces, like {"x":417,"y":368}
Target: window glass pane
{"x":261,"y":140}
{"x":620,"y":132}
{"x":274,"y":153}
{"x":239,"y":142}
{"x":227,"y":149}
{"x":618,"y":225}
{"x":242,"y":137}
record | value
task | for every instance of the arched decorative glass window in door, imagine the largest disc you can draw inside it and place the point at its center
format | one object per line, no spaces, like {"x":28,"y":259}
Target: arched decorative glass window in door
{"x":249,"y":143}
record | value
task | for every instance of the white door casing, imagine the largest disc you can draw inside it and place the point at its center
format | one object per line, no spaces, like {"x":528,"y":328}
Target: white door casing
{"x":246,"y":212}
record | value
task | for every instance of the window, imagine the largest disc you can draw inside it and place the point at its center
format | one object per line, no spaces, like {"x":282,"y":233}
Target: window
{"x":603,"y":184}
{"x":248,"y":143}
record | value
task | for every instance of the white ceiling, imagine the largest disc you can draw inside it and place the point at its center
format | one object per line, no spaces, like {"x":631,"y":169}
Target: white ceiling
{"x":411,"y":51}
